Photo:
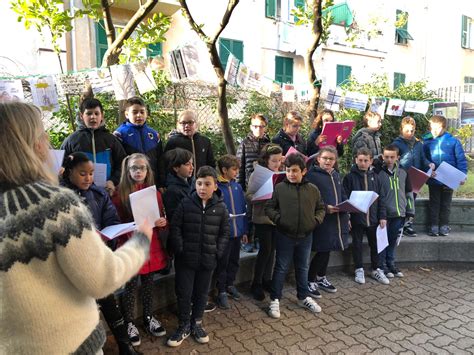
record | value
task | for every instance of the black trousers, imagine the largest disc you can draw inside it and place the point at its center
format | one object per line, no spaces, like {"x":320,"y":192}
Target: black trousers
{"x":128,"y":297}
{"x":357,"y":233}
{"x":440,"y":204}
{"x":228,"y":265}
{"x":113,"y":317}
{"x":266,"y":253}
{"x":191,"y":287}
{"x":319,"y":265}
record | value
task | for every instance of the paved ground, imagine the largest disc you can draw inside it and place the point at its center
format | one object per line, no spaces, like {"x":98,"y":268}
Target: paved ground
{"x":431,"y":310}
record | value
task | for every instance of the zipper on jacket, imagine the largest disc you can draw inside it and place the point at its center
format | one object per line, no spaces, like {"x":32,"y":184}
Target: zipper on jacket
{"x":141,"y":140}
{"x":298,"y":225}
{"x":194,"y":157}
{"x":234,"y":222}
{"x":93,"y":147}
{"x":338,"y":218}
{"x":367,"y":189}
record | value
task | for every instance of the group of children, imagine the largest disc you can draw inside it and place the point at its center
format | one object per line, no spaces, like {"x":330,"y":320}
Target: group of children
{"x":208,"y":213}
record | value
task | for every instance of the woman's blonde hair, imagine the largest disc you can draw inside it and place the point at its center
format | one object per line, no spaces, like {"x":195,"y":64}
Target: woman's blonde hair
{"x":21,"y":129}
{"x":127,"y":185}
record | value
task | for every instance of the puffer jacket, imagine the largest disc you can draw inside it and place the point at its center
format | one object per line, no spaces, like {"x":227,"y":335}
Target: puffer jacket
{"x":100,"y":146}
{"x":312,"y":148}
{"x":285,"y":142}
{"x":248,"y":152}
{"x":199,"y":235}
{"x":367,"y":138}
{"x":199,"y":145}
{"x":445,"y":148}
{"x":411,"y":154}
{"x":176,"y":189}
{"x":234,"y":199}
{"x":295,"y":209}
{"x":143,"y":139}
{"x":333,"y":233}
{"x":358,"y":180}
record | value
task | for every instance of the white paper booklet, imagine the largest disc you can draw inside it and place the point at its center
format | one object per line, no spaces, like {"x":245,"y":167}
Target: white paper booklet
{"x":57,"y":157}
{"x":449,"y":175}
{"x":382,"y":239}
{"x":359,"y":201}
{"x":145,"y":205}
{"x":100,"y":174}
{"x":117,"y":230}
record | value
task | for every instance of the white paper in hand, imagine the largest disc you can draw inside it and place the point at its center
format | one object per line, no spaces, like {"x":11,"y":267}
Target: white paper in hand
{"x":382,"y":239}
{"x":449,"y":175}
{"x":100,"y":174}
{"x":359,"y":201}
{"x":145,"y":205}
{"x":57,"y":157}
{"x":117,"y":230}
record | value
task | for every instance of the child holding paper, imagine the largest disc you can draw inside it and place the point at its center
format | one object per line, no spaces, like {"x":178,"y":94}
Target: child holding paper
{"x":442,"y":146}
{"x":289,"y":135}
{"x":270,"y":157}
{"x":199,"y":236}
{"x":315,"y":137}
{"x":228,"y":265}
{"x":399,"y":204}
{"x":137,"y":175}
{"x":362,"y":178}
{"x":78,"y":176}
{"x":411,"y":154}
{"x":333,"y":233}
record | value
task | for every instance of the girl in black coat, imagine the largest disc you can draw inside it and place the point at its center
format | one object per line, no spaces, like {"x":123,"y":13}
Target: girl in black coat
{"x":315,"y":137}
{"x":289,"y":135}
{"x":332,"y":234}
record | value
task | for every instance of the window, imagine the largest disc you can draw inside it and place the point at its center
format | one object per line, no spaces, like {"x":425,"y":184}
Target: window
{"x":343,"y":73}
{"x":284,"y":69}
{"x":469,"y":84}
{"x":281,"y":9}
{"x":154,"y":50}
{"x":100,"y":41}
{"x":467,"y":36}
{"x":398,"y":79}
{"x":401,"y":33}
{"x":233,"y":46}
{"x":272,"y":8}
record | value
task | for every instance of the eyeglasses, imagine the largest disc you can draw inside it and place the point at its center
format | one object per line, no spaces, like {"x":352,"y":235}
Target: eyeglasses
{"x":136,"y":168}
{"x":184,"y":123}
{"x":327,"y":158}
{"x":257,"y":126}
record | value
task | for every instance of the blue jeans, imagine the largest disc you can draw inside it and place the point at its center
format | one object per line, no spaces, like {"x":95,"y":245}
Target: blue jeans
{"x":387,"y":256}
{"x":298,"y":251}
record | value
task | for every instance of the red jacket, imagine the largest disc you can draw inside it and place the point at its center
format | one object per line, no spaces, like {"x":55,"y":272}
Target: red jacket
{"x":158,"y":256}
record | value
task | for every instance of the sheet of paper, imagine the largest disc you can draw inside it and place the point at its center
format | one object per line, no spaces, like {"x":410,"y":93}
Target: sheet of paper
{"x":145,"y":205}
{"x":395,"y":107}
{"x":236,"y":215}
{"x":378,"y":104}
{"x":363,"y":199}
{"x":266,"y":191}
{"x":57,"y":157}
{"x":11,"y":90}
{"x":355,"y":100}
{"x":399,"y":238}
{"x":418,"y":178}
{"x":333,"y":99}
{"x":259,"y":176}
{"x":143,"y":77}
{"x":117,"y":230}
{"x":449,"y":175}
{"x":100,"y":174}
{"x":417,"y":106}
{"x":122,"y":81}
{"x":382,"y":239}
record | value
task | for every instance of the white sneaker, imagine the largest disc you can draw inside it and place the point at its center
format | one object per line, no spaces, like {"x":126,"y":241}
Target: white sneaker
{"x":359,"y":276}
{"x":310,"y":305}
{"x":379,"y":276}
{"x":274,"y":310}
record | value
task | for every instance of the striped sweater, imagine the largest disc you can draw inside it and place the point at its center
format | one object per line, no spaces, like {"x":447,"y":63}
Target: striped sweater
{"x":53,"y":265}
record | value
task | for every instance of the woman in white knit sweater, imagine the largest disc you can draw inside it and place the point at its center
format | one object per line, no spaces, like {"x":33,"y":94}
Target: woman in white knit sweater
{"x":53,"y":263}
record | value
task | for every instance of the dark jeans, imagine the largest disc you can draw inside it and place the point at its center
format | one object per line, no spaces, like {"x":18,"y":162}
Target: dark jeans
{"x":319,"y":265}
{"x":128,"y":297}
{"x":387,"y":256}
{"x":228,"y":265}
{"x":191,"y":287}
{"x":357,"y":233}
{"x":266,"y":253}
{"x":113,"y":317}
{"x":440,"y":204}
{"x":298,"y":251}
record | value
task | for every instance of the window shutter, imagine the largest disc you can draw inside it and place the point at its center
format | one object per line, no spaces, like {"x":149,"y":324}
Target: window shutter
{"x":398,"y":79}
{"x":234,"y":46}
{"x":343,"y":72}
{"x":283,"y":69}
{"x":154,"y":50}
{"x":464,"y":32}
{"x":270,"y":8}
{"x":100,"y":41}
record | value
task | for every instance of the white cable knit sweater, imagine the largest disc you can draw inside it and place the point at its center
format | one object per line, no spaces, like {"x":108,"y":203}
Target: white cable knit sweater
{"x":53,"y":265}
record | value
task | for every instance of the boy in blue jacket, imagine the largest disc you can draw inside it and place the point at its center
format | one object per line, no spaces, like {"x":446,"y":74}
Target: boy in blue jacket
{"x":441,"y":146}
{"x":234,"y":199}
{"x":137,"y":137}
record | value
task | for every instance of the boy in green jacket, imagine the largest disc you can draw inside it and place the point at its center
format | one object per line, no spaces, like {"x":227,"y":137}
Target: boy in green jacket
{"x":296,"y":208}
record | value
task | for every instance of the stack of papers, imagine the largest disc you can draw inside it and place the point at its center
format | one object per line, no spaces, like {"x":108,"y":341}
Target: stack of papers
{"x":117,"y":230}
{"x":359,"y":201}
{"x":263,"y":181}
{"x":145,"y":205}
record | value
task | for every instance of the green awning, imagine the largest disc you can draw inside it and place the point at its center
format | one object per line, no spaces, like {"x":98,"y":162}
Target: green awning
{"x":341,"y":14}
{"x":402,"y":33}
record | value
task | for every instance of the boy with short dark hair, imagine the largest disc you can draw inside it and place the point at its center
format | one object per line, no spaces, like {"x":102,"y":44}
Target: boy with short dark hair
{"x":94,"y":140}
{"x":234,"y":198}
{"x":198,"y":238}
{"x":296,"y":208}
{"x":137,"y":137}
{"x":399,"y":204}
{"x":362,"y":178}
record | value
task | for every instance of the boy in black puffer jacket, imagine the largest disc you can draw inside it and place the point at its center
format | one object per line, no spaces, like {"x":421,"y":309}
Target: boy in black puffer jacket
{"x":200,"y":231}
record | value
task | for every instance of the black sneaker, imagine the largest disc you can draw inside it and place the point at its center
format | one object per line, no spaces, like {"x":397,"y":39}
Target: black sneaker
{"x":154,"y":327}
{"x":313,"y":290}
{"x":209,"y":307}
{"x":257,"y":292}
{"x":433,"y":231}
{"x":222,"y":301}
{"x":233,"y":292}
{"x":325,"y":285}
{"x":409,"y":231}
{"x":133,"y":334}
{"x":179,"y":335}
{"x":199,"y":333}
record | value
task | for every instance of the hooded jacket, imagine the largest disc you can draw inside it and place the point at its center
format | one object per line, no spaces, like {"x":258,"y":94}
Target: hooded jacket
{"x":199,"y":145}
{"x":367,"y":138}
{"x":296,"y":209}
{"x":176,"y":189}
{"x":248,"y":152}
{"x":143,"y":139}
{"x":358,"y":180}
{"x":285,"y":142}
{"x":411,"y":154}
{"x":333,"y":233}
{"x":234,"y":199}
{"x":445,"y":148}
{"x":100,"y":146}
{"x":199,"y":235}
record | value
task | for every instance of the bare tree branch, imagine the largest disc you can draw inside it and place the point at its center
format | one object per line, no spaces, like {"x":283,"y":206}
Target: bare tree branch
{"x":192,"y":22}
{"x":225,"y":19}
